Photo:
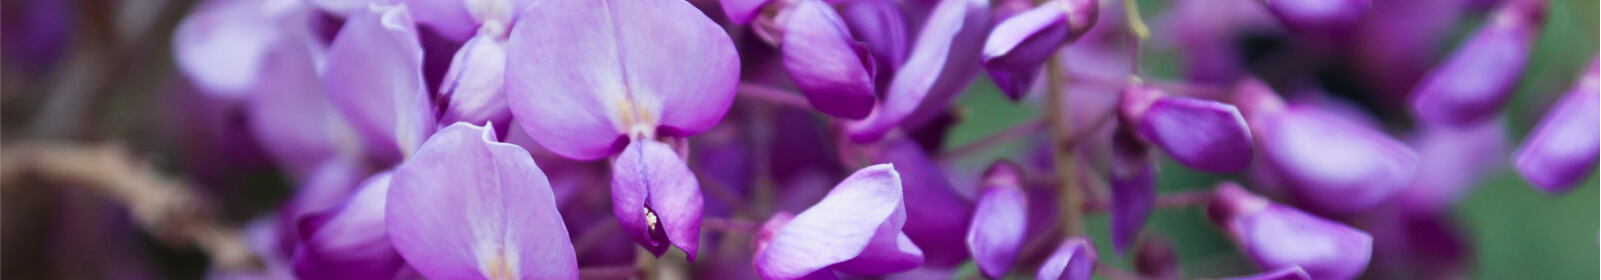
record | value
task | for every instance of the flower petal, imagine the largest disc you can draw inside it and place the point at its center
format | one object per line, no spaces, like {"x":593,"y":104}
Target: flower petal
{"x":918,"y":75}
{"x":833,"y":70}
{"x":878,"y":23}
{"x":937,"y":217}
{"x":742,"y":12}
{"x":1000,"y":221}
{"x":658,"y":62}
{"x":222,"y":45}
{"x":466,"y":206}
{"x":1284,"y":273}
{"x":1335,"y":164}
{"x":475,"y":87}
{"x":1480,"y":76}
{"x":656,"y":198}
{"x":341,"y":244}
{"x":839,"y":228}
{"x":374,"y":77}
{"x":1133,"y":185}
{"x":1205,"y":135}
{"x":1278,"y":236}
{"x":1561,"y":151}
{"x":291,"y":116}
{"x":1451,"y":160}
{"x":1027,"y":39}
{"x":1074,"y":260}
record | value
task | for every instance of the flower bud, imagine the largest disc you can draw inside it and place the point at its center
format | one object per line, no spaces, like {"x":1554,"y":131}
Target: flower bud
{"x":1274,"y":235}
{"x":1000,"y":220}
{"x":1561,"y":151}
{"x":1329,"y":162}
{"x":1201,"y":134}
{"x":1480,"y":76}
{"x":834,"y":71}
{"x":1019,"y":45}
{"x":1133,"y":185}
{"x":1074,"y":260}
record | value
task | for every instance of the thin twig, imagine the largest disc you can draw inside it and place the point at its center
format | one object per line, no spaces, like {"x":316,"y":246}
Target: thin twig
{"x":774,"y":95}
{"x":162,"y":206}
{"x":1022,"y":129}
{"x":1171,"y":200}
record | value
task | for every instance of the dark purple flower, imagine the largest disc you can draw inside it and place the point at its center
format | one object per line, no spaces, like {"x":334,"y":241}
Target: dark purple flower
{"x":880,"y":24}
{"x":1480,"y":76}
{"x":1201,"y":134}
{"x":1074,"y":260}
{"x":937,"y":216}
{"x":341,"y":243}
{"x":1132,"y":180}
{"x":832,"y":69}
{"x":1000,"y":220}
{"x":1019,"y":45}
{"x":1276,"y":236}
{"x":465,"y":206}
{"x":855,"y":229}
{"x":1562,"y":149}
{"x":1284,"y":273}
{"x":1318,"y":16}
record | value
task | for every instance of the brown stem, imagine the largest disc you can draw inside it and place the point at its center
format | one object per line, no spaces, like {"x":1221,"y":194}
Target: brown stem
{"x":1062,"y":150}
{"x":1171,"y":200}
{"x":162,"y":206}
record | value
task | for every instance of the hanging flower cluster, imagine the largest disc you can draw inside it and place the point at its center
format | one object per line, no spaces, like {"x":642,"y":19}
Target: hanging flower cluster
{"x":806,"y":139}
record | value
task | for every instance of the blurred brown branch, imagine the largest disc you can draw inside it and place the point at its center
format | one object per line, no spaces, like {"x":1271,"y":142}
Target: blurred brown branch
{"x":163,"y":207}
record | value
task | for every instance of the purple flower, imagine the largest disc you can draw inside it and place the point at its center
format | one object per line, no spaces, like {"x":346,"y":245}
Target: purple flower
{"x":657,"y":68}
{"x":1000,"y":220}
{"x":466,"y":206}
{"x":1318,"y":16}
{"x":291,"y":116}
{"x":474,"y":89}
{"x":1332,"y":164}
{"x":856,"y":229}
{"x":1562,"y":149}
{"x":1201,"y":134}
{"x":881,"y":25}
{"x":1284,"y":273}
{"x":1451,"y":161}
{"x":924,"y":70}
{"x":222,"y":46}
{"x":341,"y":244}
{"x":1018,"y":46}
{"x":937,"y":216}
{"x":325,"y":187}
{"x":832,"y":69}
{"x":1276,"y":236}
{"x":743,"y":11}
{"x":1480,"y":76}
{"x":1132,"y":180}
{"x":1074,"y":260}
{"x":374,"y":76}
{"x":459,"y":20}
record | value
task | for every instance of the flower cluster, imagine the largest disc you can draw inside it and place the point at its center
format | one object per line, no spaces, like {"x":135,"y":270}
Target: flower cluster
{"x":806,"y":139}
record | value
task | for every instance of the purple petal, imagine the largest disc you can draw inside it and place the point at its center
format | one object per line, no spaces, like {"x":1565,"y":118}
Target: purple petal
{"x":325,"y":187}
{"x":1480,"y":76}
{"x":1133,"y":185}
{"x":853,"y":221}
{"x":374,"y":77}
{"x":999,"y":224}
{"x":291,"y":117}
{"x":1320,"y":16}
{"x":938,"y":216}
{"x":657,"y":67}
{"x":656,"y":198}
{"x":341,"y":243}
{"x":1205,"y":135}
{"x":343,"y":8}
{"x":832,"y":69}
{"x":917,"y":77}
{"x":1561,"y":151}
{"x":475,"y":87}
{"x":962,"y":66}
{"x":466,"y":206}
{"x":1278,"y":236}
{"x":1074,"y":260}
{"x":1334,"y":164}
{"x":1026,"y":40}
{"x":742,"y":12}
{"x":1451,"y":160}
{"x":878,"y":23}
{"x":1285,"y":273}
{"x":222,"y":45}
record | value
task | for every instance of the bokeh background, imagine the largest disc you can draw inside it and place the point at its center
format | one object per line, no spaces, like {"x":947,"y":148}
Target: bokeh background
{"x":95,"y":71}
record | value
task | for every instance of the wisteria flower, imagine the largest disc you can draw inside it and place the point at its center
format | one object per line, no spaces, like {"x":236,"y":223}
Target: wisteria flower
{"x":856,"y":229}
{"x":468,"y":207}
{"x":1276,"y":236}
{"x":1562,"y":149}
{"x":1480,"y":76}
{"x":374,"y":76}
{"x":1000,"y":220}
{"x":1075,"y":259}
{"x":595,"y":78}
